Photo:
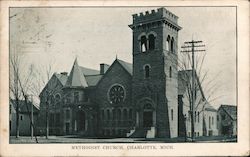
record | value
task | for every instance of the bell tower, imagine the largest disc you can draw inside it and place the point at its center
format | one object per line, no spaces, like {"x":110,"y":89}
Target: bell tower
{"x":155,"y":74}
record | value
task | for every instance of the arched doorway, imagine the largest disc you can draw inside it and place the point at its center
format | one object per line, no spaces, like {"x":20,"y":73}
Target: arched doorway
{"x":81,"y":118}
{"x":147,"y":119}
{"x":147,"y":116}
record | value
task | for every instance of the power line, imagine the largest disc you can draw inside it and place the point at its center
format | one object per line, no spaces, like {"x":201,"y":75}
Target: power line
{"x":192,"y":45}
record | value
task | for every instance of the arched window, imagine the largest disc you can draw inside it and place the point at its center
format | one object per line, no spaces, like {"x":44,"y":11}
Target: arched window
{"x":76,"y":96}
{"x":67,"y":114}
{"x":52,"y":100}
{"x":172,"y":45}
{"x":172,"y":114}
{"x":195,"y":116}
{"x":108,"y":114}
{"x":102,"y":115}
{"x":130,"y":113}
{"x":198,"y":117}
{"x":58,"y":97}
{"x":125,"y":114}
{"x":113,"y":114}
{"x":144,"y":44}
{"x":119,"y":113}
{"x":170,"y":72}
{"x":209,"y":122}
{"x":151,"y":39}
{"x":168,"y":43}
{"x":146,"y":71}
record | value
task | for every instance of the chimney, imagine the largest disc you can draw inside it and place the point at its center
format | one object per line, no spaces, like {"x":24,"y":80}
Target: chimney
{"x":103,"y":68}
{"x":64,"y":73}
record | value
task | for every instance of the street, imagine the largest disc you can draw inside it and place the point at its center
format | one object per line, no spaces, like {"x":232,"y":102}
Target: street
{"x":75,"y":139}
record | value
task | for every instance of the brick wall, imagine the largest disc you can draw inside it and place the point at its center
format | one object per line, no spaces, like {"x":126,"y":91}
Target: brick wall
{"x":112,"y":126}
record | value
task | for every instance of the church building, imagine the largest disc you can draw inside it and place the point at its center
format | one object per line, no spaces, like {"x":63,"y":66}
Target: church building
{"x":122,"y":99}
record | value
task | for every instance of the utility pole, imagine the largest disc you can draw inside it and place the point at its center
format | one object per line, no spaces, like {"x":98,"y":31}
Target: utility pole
{"x":32,"y":122}
{"x":192,"y":45}
{"x":47,"y":117}
{"x":17,"y":101}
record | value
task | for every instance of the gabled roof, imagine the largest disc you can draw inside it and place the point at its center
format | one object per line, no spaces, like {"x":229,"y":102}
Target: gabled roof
{"x":76,"y":77}
{"x":127,"y":66}
{"x":92,"y":80}
{"x":231,"y":110}
{"x":62,"y":78}
{"x":88,"y":71}
{"x":209,"y":107}
{"x":23,"y":107}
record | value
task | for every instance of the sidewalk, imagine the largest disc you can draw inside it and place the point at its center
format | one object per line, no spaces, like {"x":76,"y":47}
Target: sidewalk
{"x":75,"y":139}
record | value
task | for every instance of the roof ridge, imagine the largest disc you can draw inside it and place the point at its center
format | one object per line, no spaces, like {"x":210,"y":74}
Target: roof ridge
{"x":123,"y":61}
{"x":87,"y":68}
{"x":228,"y":105}
{"x":93,"y":75}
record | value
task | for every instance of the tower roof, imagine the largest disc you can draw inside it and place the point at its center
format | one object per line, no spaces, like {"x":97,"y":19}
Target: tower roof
{"x":76,"y":77}
{"x":155,"y":16}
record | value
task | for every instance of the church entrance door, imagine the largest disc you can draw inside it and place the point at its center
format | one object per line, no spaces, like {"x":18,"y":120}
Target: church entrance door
{"x":81,"y":121}
{"x":147,"y":119}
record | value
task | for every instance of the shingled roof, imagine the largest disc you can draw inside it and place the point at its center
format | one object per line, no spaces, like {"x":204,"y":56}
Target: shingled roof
{"x":76,"y":77}
{"x":92,"y":80}
{"x":23,"y":107}
{"x":83,"y":77}
{"x":231,"y":110}
{"x":209,"y":107}
{"x":62,"y":78}
{"x":88,"y":71}
{"x":127,"y":66}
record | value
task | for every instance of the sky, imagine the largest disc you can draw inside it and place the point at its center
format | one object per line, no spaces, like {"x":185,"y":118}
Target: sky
{"x":97,"y":35}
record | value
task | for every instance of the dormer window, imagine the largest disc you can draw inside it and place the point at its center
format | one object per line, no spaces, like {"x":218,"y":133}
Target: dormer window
{"x":76,"y":96}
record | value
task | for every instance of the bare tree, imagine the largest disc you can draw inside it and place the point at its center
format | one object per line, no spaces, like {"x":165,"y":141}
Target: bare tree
{"x":15,"y":87}
{"x":20,"y":82}
{"x":196,"y":79}
{"x":46,"y":86}
{"x":25,"y":81}
{"x":199,"y":87}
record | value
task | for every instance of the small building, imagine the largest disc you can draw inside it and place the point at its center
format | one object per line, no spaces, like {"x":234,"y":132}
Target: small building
{"x":204,"y":115}
{"x":24,"y":117}
{"x":227,"y":120}
{"x":210,"y":123}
